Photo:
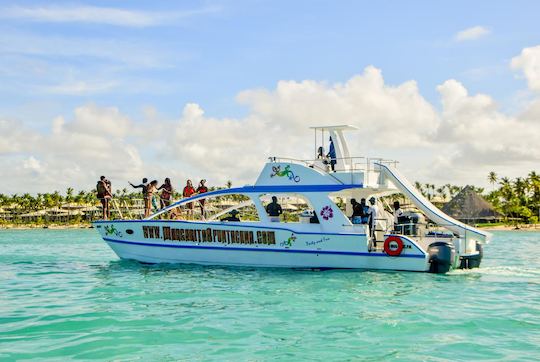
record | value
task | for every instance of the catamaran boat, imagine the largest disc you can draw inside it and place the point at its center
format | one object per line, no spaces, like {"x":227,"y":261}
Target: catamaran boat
{"x":315,"y":231}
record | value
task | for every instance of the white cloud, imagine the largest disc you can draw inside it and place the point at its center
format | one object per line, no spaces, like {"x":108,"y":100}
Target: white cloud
{"x":123,"y":51}
{"x":461,"y":143}
{"x":480,"y":133}
{"x":81,"y":87}
{"x":99,"y":15}
{"x":473,"y":33}
{"x":32,"y":164}
{"x":15,"y":137}
{"x":529,"y":63}
{"x":73,"y":154}
{"x":365,"y":100}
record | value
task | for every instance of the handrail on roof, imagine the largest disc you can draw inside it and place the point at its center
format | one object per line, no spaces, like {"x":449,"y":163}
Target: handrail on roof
{"x":365,"y":164}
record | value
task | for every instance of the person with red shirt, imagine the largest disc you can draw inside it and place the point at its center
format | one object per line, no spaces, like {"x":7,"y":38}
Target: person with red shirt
{"x":200,"y":190}
{"x":188,"y":192}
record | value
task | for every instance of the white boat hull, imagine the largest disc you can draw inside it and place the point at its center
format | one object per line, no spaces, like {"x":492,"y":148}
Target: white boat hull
{"x":255,"y":245}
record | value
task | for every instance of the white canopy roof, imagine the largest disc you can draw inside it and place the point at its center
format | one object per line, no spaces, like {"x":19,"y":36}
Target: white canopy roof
{"x":344,"y":127}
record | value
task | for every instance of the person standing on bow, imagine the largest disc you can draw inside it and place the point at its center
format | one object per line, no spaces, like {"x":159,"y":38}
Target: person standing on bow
{"x":188,"y":192}
{"x":201,"y":190}
{"x":165,"y":197}
{"x":152,"y":191}
{"x":147,"y":200}
{"x":104,"y":194}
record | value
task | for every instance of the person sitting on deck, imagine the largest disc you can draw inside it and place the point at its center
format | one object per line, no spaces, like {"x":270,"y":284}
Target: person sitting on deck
{"x":320,"y":153}
{"x":274,"y":210}
{"x":104,"y":194}
{"x":233,"y":216}
{"x":147,"y":200}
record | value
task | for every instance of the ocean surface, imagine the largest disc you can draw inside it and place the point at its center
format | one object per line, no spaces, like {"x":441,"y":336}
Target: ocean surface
{"x":64,"y":295}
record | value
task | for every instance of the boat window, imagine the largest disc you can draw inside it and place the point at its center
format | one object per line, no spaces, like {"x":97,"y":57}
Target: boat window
{"x":339,"y":200}
{"x":295,"y":208}
{"x":227,"y":208}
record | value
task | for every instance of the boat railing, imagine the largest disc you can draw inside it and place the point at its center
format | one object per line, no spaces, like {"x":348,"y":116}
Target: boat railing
{"x":347,"y":164}
{"x":427,"y":232}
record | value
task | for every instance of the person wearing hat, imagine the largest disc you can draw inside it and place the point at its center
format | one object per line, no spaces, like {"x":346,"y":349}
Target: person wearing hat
{"x":397,"y":213}
{"x":373,"y":213}
{"x":233,"y":216}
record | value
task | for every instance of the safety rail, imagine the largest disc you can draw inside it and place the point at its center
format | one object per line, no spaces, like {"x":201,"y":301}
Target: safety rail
{"x":357,"y":163}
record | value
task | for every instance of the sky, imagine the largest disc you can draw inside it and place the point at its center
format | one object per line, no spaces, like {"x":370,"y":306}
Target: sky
{"x":210,"y":89}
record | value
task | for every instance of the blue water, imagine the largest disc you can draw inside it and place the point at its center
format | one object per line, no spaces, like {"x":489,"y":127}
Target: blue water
{"x":65,"y":295}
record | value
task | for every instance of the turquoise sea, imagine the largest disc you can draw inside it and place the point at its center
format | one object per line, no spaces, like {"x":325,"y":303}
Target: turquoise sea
{"x":64,"y":295}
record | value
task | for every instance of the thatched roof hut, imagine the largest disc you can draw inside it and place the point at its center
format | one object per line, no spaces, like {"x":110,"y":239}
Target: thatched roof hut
{"x":468,"y":206}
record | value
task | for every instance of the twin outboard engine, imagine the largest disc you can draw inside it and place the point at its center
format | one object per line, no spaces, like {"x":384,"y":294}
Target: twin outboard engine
{"x":472,"y":261}
{"x":441,"y":256}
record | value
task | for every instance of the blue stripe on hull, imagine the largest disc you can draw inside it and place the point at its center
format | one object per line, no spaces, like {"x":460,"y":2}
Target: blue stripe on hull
{"x":261,"y":250}
{"x":221,"y":224}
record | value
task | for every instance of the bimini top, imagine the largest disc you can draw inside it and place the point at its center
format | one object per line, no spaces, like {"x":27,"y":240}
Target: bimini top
{"x":344,"y":127}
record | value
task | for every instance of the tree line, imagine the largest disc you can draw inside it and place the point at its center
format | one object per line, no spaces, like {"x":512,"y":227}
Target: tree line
{"x":27,"y":202}
{"x":516,"y":198}
{"x":513,"y":198}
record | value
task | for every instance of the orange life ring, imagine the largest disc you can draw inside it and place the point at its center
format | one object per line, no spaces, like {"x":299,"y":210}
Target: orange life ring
{"x":393,"y":246}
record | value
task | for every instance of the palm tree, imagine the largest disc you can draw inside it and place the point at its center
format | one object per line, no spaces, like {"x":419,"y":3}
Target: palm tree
{"x":441,"y":193}
{"x":79,"y":199}
{"x":419,"y":187}
{"x":229,"y":184}
{"x":492,"y":178}
{"x":534,"y":184}
{"x":520,"y":188}
{"x":69,"y":194}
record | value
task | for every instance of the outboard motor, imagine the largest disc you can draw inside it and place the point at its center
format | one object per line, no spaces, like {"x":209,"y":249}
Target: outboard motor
{"x":472,"y":261}
{"x":441,"y":256}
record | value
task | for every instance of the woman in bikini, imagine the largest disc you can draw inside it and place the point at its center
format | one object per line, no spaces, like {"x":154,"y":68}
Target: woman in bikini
{"x":152,"y":189}
{"x":166,"y":194}
{"x":104,"y":194}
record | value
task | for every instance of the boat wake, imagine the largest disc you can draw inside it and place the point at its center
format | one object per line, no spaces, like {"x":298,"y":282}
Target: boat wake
{"x":502,"y":271}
